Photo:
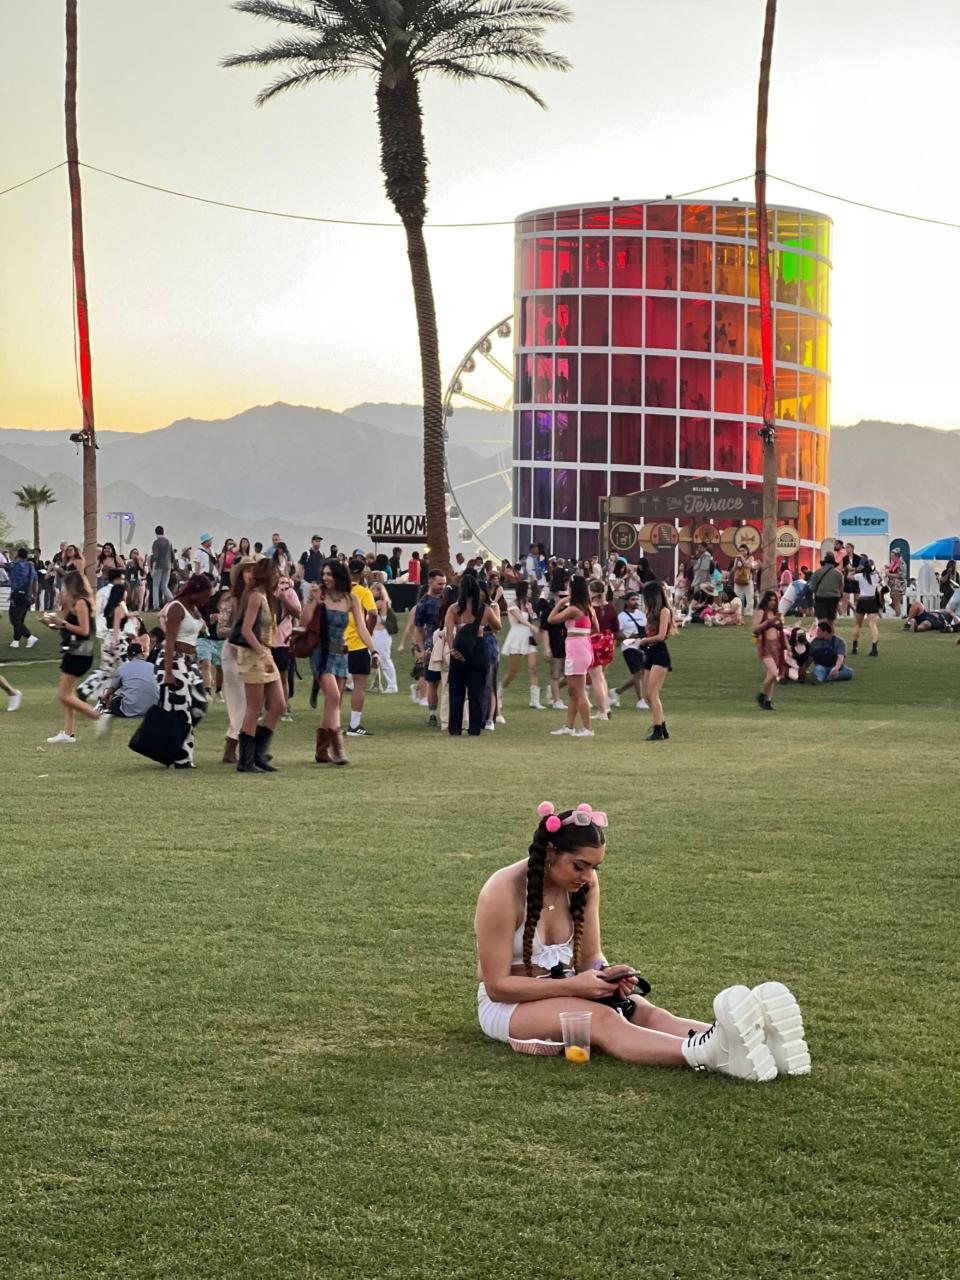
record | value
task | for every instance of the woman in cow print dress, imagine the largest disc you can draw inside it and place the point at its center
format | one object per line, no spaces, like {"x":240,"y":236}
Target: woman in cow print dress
{"x":178,"y":672}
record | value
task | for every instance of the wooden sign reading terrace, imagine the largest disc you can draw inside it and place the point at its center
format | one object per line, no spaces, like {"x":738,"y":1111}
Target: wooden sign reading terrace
{"x":697,"y":500}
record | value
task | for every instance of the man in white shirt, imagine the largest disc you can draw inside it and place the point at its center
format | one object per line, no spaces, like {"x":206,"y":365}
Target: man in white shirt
{"x":203,"y":556}
{"x":631,"y":623}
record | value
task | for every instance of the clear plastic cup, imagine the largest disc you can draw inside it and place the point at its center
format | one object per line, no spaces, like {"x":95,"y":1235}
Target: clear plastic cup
{"x":576,"y":1036}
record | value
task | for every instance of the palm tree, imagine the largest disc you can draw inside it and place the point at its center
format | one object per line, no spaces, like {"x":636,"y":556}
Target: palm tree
{"x":87,"y":437}
{"x":398,"y":42}
{"x":31,"y":498}
{"x":768,"y":434}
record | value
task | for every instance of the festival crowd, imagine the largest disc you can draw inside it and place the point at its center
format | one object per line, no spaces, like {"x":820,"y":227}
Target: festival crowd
{"x":245,"y":624}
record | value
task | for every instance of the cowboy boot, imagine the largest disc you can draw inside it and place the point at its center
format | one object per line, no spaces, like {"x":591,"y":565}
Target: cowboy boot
{"x":246,"y":762}
{"x":336,"y":747}
{"x":322,"y":754}
{"x":261,"y":756}
{"x":229,"y":750}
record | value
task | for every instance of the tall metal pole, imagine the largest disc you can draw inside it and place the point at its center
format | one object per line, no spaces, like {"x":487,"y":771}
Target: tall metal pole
{"x":768,"y":435}
{"x":88,"y":433}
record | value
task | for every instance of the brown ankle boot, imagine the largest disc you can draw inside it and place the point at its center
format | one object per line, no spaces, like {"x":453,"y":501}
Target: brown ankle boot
{"x":322,"y":755}
{"x":229,"y":750}
{"x":336,"y":747}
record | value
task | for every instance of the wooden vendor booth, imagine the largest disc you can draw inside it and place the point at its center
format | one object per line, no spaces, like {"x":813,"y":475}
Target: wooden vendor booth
{"x":683,"y":514}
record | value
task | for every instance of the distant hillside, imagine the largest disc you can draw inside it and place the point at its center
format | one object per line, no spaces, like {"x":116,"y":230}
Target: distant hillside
{"x":280,"y":466}
{"x":912,"y":472}
{"x":300,"y":470}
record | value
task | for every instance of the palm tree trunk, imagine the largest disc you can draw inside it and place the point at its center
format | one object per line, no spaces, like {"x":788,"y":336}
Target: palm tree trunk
{"x":768,"y":570}
{"x":80,"y":289}
{"x":36,"y":528}
{"x":434,"y":469}
{"x":403,"y":161}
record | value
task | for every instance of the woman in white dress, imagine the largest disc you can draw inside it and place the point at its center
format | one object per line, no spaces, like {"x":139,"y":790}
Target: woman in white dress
{"x":521,"y":642}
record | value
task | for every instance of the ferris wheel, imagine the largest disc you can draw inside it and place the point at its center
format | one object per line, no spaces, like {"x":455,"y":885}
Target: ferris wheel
{"x":479,"y":453}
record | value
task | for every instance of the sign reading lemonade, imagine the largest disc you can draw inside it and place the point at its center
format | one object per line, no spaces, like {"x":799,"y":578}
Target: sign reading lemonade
{"x":396,"y":528}
{"x":867,"y":521}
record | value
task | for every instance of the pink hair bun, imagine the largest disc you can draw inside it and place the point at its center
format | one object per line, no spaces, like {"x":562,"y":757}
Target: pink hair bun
{"x":553,"y":825}
{"x":545,"y":808}
{"x":584,"y":808}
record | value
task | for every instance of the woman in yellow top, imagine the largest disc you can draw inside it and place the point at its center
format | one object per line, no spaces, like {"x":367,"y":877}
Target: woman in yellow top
{"x":255,"y":665}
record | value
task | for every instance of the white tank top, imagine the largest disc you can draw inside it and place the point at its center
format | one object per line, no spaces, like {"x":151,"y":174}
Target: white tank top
{"x":190,"y":626}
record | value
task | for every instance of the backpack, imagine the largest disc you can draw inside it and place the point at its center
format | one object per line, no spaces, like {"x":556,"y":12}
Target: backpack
{"x":741,"y":576}
{"x":390,"y":622}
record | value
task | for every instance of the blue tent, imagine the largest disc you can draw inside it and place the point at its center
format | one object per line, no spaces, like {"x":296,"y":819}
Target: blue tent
{"x":942,"y":549}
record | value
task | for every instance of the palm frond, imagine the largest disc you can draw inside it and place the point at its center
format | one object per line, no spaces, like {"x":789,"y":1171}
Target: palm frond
{"x":461,"y":39}
{"x":471,"y":18}
{"x":308,"y":75}
{"x":34,"y":495}
{"x":324,"y":52}
{"x":275,"y":11}
{"x":457,"y":71}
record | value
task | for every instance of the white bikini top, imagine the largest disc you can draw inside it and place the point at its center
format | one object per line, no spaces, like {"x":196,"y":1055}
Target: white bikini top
{"x":543,"y":957}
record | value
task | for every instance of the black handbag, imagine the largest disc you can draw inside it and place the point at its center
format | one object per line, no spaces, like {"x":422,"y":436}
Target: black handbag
{"x":160,"y":736}
{"x":236,"y":633}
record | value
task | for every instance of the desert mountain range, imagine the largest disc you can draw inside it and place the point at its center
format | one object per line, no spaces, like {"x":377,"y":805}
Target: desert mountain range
{"x":302,"y":470}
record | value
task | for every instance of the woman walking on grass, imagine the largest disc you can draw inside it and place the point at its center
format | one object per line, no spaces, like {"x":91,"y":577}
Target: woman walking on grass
{"x":771,"y":646}
{"x":75,"y":621}
{"x":178,"y":671}
{"x":383,"y":632}
{"x":573,"y":610}
{"x":333,"y":597}
{"x":869,"y":603}
{"x":656,"y":656}
{"x":255,"y":634}
{"x":604,"y":647}
{"x":540,"y":955}
{"x":521,"y":644}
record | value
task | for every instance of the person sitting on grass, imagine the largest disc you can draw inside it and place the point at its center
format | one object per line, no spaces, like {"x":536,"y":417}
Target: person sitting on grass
{"x":729,"y":614}
{"x":540,"y":955}
{"x":131,"y":692}
{"x":828,"y":654}
{"x":798,"y":652}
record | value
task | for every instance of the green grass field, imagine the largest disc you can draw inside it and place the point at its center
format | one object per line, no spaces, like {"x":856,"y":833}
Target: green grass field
{"x":238,"y":1013}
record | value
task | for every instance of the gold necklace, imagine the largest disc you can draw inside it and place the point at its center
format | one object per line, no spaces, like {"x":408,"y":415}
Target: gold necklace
{"x":553,"y":905}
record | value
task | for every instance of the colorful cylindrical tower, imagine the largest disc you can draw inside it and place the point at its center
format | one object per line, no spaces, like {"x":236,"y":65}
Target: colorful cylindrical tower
{"x":638,"y":360}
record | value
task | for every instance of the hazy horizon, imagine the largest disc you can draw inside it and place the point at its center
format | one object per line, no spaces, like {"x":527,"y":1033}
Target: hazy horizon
{"x":201,"y":312}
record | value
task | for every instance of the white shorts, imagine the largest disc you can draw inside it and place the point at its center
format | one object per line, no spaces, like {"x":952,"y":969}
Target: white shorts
{"x":494,"y":1018}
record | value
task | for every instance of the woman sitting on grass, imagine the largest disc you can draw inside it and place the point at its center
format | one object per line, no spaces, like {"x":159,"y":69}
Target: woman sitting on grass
{"x":538,"y":942}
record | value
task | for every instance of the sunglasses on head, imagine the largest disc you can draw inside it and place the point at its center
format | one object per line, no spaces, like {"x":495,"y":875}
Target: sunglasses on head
{"x":584,"y":818}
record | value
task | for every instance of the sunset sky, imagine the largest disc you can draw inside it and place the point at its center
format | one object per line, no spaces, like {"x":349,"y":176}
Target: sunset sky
{"x":201,"y":312}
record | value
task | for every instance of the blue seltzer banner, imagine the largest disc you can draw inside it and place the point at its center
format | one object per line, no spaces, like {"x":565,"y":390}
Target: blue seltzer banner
{"x":867,"y":521}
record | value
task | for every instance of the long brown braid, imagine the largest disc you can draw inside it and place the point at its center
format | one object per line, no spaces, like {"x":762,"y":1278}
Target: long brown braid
{"x":535,"y":866}
{"x":565,"y":840}
{"x":578,"y":907}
